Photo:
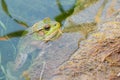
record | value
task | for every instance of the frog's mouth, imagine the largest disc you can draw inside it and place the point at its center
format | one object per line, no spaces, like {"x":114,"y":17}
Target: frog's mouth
{"x":53,"y":36}
{"x":40,"y":35}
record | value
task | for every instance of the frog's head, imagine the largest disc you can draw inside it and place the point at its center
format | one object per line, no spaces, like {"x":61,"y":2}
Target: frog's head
{"x":46,"y":30}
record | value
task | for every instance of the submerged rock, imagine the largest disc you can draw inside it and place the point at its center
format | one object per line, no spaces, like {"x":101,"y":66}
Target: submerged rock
{"x":98,"y":55}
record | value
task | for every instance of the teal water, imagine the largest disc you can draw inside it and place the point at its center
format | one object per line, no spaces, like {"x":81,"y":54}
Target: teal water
{"x":17,"y":15}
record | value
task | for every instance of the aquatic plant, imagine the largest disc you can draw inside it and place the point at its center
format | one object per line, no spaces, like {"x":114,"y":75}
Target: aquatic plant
{"x":6,"y":10}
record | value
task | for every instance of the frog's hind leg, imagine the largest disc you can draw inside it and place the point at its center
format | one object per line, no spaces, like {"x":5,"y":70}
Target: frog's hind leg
{"x":26,"y":75}
{"x":35,"y":71}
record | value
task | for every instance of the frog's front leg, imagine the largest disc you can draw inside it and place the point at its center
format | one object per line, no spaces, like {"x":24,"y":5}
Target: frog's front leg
{"x":22,"y":56}
{"x":20,"y":60}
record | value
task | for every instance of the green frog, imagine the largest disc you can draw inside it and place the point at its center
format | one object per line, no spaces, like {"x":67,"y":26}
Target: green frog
{"x":47,"y":46}
{"x":42,"y":32}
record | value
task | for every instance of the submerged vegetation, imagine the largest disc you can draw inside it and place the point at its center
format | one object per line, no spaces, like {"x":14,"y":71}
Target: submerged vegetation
{"x":82,"y":4}
{"x":64,"y":14}
{"x":6,"y":10}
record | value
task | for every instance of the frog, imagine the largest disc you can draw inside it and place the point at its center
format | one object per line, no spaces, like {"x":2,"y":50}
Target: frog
{"x":49,"y":48}
{"x":42,"y":45}
{"x":44,"y":30}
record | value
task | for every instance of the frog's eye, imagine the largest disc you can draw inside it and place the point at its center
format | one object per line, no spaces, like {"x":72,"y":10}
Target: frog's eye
{"x":47,"y":27}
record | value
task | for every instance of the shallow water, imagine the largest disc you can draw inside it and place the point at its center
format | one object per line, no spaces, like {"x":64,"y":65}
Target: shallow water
{"x":50,"y":55}
{"x":17,"y":15}
{"x":28,"y":12}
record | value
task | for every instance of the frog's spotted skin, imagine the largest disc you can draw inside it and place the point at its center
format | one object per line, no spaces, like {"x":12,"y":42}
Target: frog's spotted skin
{"x":41,"y":32}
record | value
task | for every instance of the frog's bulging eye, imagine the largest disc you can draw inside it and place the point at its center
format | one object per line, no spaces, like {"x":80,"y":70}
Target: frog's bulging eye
{"x":47,"y":27}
